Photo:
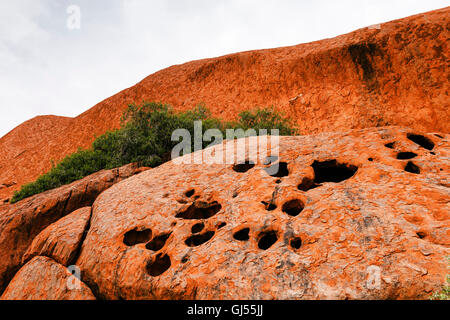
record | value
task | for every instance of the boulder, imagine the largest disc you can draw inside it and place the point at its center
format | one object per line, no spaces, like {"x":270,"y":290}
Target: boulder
{"x":357,"y":215}
{"x":21,"y":222}
{"x":44,"y":279}
{"x":62,"y":239}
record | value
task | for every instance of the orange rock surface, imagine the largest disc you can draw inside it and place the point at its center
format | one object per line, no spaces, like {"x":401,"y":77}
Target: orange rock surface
{"x":22,"y":222}
{"x":44,"y":279}
{"x":357,"y":215}
{"x":61,"y":240}
{"x":396,"y":74}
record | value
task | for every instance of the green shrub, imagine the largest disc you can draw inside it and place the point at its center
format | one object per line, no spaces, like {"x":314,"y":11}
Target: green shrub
{"x":71,"y":168}
{"x":444,"y":294}
{"x":265,"y":118}
{"x":145,"y":137}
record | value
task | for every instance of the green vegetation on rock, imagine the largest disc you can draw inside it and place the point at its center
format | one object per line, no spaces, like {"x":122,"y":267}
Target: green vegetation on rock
{"x":145,"y":138}
{"x":444,"y":294}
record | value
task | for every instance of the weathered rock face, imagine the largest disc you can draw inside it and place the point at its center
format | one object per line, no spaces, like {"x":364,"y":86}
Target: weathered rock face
{"x":28,"y":145}
{"x":360,"y":215}
{"x":22,"y":222}
{"x":44,"y":279}
{"x":61,"y":240}
{"x":394,"y":74}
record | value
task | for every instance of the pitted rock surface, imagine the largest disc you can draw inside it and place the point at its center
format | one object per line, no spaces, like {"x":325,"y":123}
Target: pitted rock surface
{"x":343,"y":218}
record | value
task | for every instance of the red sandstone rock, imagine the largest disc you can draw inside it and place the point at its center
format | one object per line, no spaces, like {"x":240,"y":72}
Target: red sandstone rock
{"x":394,"y":75}
{"x":44,"y":279}
{"x":62,"y":239}
{"x":21,"y":222}
{"x":345,"y":219}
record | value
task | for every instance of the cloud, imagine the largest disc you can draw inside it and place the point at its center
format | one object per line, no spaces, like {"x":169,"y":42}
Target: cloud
{"x":45,"y":68}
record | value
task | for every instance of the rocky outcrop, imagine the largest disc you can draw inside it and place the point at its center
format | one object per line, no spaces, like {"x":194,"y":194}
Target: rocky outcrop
{"x":22,"y":222}
{"x":25,"y":149}
{"x":395,"y":73}
{"x":356,"y":215}
{"x":44,"y":279}
{"x":62,"y":239}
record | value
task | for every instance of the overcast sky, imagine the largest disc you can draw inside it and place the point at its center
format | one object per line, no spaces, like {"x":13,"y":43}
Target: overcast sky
{"x":48,"y":68}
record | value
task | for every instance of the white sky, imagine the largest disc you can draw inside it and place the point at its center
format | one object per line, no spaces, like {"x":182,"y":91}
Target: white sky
{"x":46,"y":68}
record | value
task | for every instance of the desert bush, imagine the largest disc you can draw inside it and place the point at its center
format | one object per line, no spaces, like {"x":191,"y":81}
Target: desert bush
{"x":444,"y":294}
{"x":265,"y":118}
{"x":145,"y":138}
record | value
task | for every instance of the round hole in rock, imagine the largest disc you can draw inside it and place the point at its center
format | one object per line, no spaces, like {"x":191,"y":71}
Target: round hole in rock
{"x":421,"y":234}
{"x":296,"y":242}
{"x":278,"y":181}
{"x":200,"y":210}
{"x":293,"y":207}
{"x":370,"y":159}
{"x":242,"y":235}
{"x":159,"y":265}
{"x":267,"y":239}
{"x":406,"y":155}
{"x":189,"y":193}
{"x":332,"y":171}
{"x":390,"y":145}
{"x":307,"y":184}
{"x":270,"y":206}
{"x":199,"y":239}
{"x":185,"y":259}
{"x":243,"y":167}
{"x":196,"y":228}
{"x":278,"y":170}
{"x":221,"y":225}
{"x":411,"y":167}
{"x":136,"y":236}
{"x":158,"y":242}
{"x":422,"y":141}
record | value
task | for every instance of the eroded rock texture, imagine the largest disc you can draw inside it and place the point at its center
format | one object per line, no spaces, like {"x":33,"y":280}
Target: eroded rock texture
{"x":44,"y":279}
{"x":22,"y":222}
{"x":61,"y":240}
{"x":357,"y":215}
{"x":395,"y":73}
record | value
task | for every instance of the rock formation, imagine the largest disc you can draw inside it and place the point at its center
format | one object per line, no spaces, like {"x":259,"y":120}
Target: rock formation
{"x":396,"y":74}
{"x":357,"y":208}
{"x":60,"y":241}
{"x":356,"y":215}
{"x":22,"y":222}
{"x":44,"y":279}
